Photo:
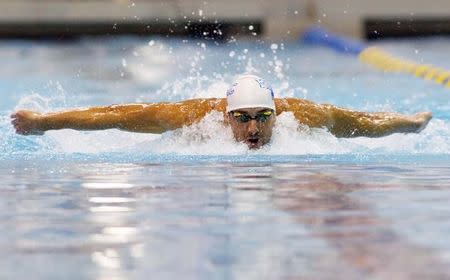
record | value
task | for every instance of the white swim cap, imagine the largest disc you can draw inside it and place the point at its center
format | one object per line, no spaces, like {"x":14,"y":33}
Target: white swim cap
{"x":250,"y":91}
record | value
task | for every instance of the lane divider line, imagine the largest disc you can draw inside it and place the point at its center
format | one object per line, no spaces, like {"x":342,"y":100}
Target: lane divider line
{"x":375,"y":57}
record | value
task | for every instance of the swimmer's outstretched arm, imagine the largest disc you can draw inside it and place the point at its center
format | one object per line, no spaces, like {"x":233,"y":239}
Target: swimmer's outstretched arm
{"x":149,"y":118}
{"x":347,"y":123}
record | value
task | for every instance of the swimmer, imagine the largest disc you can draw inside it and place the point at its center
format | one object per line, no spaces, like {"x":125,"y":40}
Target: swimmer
{"x":249,"y":108}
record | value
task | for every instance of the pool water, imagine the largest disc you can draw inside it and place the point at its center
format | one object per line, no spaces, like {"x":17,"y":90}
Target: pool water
{"x":194,"y":204}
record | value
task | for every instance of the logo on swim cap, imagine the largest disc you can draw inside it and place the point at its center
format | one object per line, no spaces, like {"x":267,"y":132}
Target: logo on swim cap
{"x":230,"y":91}
{"x":263,"y":84}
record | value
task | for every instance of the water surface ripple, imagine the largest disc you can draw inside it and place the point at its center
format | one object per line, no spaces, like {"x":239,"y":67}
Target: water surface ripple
{"x":224,"y":220}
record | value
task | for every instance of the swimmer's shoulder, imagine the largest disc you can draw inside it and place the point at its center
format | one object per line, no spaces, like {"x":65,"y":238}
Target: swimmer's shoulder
{"x":291,"y":104}
{"x":209,"y":104}
{"x":197,"y":106}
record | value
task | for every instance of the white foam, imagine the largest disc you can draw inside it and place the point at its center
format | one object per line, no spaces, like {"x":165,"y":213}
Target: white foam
{"x":212,"y":137}
{"x":71,"y":141}
{"x":151,"y":64}
{"x":34,"y":101}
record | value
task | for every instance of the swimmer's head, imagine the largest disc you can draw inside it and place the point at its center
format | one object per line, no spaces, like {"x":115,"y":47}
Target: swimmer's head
{"x":251,"y":111}
{"x":250,"y":91}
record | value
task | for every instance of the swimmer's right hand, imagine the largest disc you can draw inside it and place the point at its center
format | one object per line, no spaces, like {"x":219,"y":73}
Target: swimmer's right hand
{"x":27,"y":122}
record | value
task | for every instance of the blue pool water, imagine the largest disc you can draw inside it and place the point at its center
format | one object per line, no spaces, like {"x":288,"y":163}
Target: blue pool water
{"x":194,"y":204}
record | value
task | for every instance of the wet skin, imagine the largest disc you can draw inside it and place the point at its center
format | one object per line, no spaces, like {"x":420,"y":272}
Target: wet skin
{"x":253,"y":133}
{"x":166,"y":116}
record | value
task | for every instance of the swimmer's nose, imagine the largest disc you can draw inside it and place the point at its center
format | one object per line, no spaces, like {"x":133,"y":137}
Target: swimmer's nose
{"x":253,"y":128}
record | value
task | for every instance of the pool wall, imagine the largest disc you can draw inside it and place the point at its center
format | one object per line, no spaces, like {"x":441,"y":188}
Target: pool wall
{"x":274,"y":20}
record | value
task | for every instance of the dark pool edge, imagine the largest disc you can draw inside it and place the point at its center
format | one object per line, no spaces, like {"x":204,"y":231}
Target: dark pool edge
{"x":55,"y":30}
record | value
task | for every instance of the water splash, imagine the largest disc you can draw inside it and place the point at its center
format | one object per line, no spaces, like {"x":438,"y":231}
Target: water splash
{"x":204,"y":70}
{"x":211,"y":137}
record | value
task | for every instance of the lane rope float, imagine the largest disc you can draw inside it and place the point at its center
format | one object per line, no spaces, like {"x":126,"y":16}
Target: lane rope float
{"x":375,"y":57}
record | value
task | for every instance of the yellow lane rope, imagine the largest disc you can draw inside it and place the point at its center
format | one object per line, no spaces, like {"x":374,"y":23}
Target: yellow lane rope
{"x":388,"y":63}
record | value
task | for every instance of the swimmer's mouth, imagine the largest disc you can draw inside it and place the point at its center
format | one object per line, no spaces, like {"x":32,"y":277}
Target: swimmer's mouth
{"x":252,"y":142}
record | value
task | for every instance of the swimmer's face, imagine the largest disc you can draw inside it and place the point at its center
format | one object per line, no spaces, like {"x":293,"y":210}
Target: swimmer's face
{"x":253,"y":126}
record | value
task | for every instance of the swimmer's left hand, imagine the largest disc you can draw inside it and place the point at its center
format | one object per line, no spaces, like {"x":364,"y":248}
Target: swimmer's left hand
{"x":421,"y":120}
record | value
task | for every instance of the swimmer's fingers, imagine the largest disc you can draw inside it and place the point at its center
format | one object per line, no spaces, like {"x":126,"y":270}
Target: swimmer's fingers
{"x":17,"y":116}
{"x":427,"y":116}
{"x":26,"y":123}
{"x":422,"y":119}
{"x":16,"y":126}
{"x":19,"y":113}
{"x":15,"y":122}
{"x":20,"y":131}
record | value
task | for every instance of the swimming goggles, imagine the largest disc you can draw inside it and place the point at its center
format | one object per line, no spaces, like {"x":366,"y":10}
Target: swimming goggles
{"x":260,"y":117}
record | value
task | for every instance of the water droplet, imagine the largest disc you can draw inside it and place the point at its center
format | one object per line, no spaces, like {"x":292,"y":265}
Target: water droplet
{"x":232,"y":53}
{"x":151,"y":43}
{"x":274,"y":46}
